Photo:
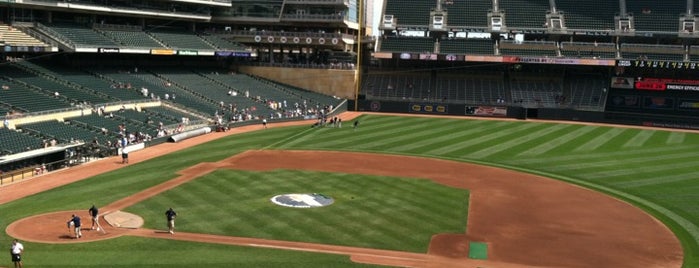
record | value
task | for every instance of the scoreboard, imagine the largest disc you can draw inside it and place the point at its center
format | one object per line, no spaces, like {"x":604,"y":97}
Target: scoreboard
{"x":658,"y":64}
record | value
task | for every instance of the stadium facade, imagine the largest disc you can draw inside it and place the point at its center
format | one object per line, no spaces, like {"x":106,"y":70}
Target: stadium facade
{"x":76,"y":73}
{"x":631,"y":62}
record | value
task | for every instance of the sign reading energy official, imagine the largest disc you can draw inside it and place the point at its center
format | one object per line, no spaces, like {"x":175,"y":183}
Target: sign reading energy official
{"x":683,"y":87}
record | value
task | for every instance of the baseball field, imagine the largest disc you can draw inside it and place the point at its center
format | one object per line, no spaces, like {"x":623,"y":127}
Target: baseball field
{"x":406,"y":191}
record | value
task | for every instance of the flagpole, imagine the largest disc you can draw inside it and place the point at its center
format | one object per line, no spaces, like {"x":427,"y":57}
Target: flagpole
{"x":358,"y":68}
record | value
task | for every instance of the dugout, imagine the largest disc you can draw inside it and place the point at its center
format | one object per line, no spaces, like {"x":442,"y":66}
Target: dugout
{"x":32,"y":163}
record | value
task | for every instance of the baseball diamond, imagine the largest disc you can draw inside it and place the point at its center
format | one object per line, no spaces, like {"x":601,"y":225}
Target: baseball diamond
{"x":362,"y":133}
{"x":513,"y":214}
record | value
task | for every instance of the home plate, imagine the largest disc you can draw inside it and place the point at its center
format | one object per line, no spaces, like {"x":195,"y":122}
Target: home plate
{"x":122,"y":219}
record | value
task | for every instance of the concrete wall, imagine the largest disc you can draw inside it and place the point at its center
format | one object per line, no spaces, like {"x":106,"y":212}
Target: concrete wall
{"x":13,"y":122}
{"x":332,"y":82}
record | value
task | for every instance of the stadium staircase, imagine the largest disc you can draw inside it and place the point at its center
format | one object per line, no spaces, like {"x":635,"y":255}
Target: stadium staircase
{"x":15,"y":37}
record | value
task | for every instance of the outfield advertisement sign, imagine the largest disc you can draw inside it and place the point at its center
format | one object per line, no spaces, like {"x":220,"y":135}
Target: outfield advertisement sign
{"x":688,"y":104}
{"x":108,"y":50}
{"x":427,"y":108}
{"x":656,"y":84}
{"x":187,"y":52}
{"x":563,"y":61}
{"x":622,"y":82}
{"x":490,"y":111}
{"x":232,"y":54}
{"x":670,"y":125}
{"x":162,"y":52}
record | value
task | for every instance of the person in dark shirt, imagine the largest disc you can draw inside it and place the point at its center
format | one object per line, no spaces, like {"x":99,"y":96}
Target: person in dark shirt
{"x":94,"y":214}
{"x":75,"y":223}
{"x":171,"y":215}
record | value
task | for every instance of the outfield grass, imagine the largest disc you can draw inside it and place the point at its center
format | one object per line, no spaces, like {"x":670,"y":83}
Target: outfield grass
{"x":652,"y":169}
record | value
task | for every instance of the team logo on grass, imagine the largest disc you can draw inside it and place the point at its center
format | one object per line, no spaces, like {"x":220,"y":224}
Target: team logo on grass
{"x":302,"y":200}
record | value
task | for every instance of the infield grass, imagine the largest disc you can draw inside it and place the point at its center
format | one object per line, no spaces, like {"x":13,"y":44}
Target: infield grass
{"x":373,"y":212}
{"x":653,"y":169}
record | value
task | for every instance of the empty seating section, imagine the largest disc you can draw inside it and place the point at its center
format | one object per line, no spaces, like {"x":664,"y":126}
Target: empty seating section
{"x":467,"y":13}
{"x":222,"y":43}
{"x":113,"y":36}
{"x":490,"y":90}
{"x":80,"y":35}
{"x":550,"y":89}
{"x":413,"y":86}
{"x":588,"y":50}
{"x":467,"y":46}
{"x":653,"y":15}
{"x":159,"y":87}
{"x":406,"y":85}
{"x":140,"y":117}
{"x":66,"y":131}
{"x":12,"y":142}
{"x":100,"y":86}
{"x":528,"y":48}
{"x":137,"y":39}
{"x":585,"y":91}
{"x":215,"y":91}
{"x":116,"y":89}
{"x":652,"y":56}
{"x":180,"y":40}
{"x":652,"y":52}
{"x":165,"y":115}
{"x":112,"y":124}
{"x":525,"y":13}
{"x":597,"y":15}
{"x":25,"y":98}
{"x":51,"y":85}
{"x":407,"y":44}
{"x":371,"y":84}
{"x":537,"y":90}
{"x":410,"y":12}
{"x":472,"y":88}
{"x":83,"y":82}
{"x":256,"y":88}
{"x":451,"y":88}
{"x":15,"y":37}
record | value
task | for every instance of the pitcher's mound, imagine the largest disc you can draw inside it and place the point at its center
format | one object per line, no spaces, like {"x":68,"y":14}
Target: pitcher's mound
{"x":51,"y":227}
{"x":122,"y":219}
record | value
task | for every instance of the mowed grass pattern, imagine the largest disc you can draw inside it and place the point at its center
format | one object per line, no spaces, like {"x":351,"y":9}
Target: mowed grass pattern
{"x":372,"y":212}
{"x":653,"y":169}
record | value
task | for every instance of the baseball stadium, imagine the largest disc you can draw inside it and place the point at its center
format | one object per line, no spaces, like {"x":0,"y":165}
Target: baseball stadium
{"x":327,"y":133}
